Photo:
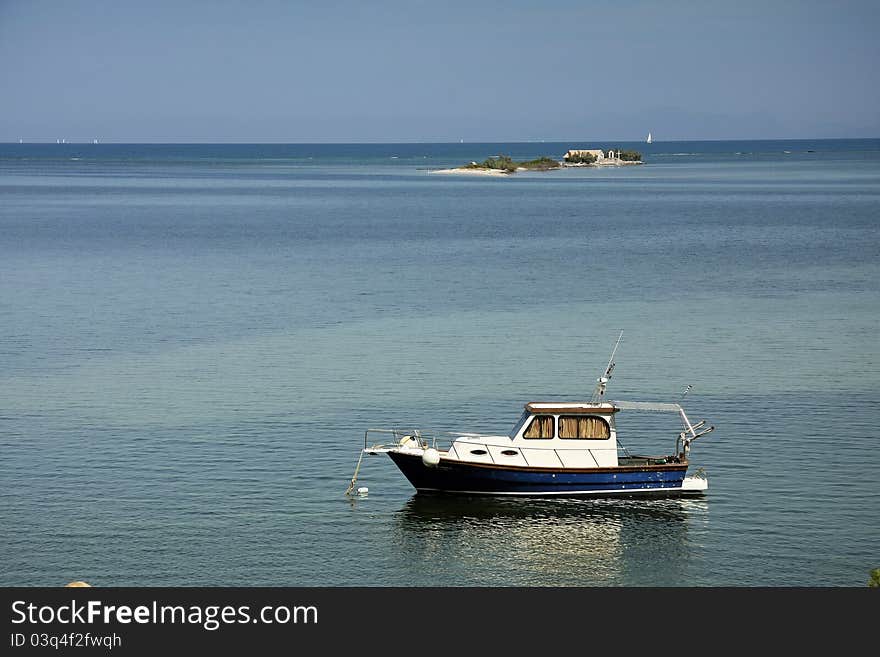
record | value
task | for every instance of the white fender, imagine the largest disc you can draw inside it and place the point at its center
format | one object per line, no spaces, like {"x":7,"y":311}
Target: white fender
{"x":431,"y":457}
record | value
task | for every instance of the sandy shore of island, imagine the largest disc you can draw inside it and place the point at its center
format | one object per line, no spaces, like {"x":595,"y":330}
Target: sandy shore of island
{"x":473,"y":172}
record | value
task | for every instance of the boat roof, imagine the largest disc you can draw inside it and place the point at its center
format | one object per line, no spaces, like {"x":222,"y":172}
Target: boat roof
{"x":600,"y":408}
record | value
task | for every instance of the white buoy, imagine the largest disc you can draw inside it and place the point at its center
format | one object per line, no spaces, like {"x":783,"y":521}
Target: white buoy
{"x":431,"y":457}
{"x":363,"y":490}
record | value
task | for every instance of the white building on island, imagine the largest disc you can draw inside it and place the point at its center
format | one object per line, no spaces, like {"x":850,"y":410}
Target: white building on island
{"x":574,"y":153}
{"x":611,"y":157}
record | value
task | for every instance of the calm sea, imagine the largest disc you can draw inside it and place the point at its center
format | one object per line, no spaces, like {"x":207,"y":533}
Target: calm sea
{"x":193,"y":339}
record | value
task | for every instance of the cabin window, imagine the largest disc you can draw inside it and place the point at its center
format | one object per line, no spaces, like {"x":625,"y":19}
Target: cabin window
{"x":520,"y":424}
{"x":541,"y":427}
{"x":589,"y":427}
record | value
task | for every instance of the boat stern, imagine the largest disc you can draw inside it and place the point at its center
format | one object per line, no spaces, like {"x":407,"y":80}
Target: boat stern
{"x":696,"y":484}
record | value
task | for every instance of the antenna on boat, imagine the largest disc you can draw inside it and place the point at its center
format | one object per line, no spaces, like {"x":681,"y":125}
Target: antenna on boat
{"x":602,"y":381}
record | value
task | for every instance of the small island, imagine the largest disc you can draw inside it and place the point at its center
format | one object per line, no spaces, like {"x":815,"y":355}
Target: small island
{"x":503,"y":165}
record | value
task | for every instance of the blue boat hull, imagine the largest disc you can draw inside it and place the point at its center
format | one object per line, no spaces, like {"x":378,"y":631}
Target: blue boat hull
{"x":474,"y":478}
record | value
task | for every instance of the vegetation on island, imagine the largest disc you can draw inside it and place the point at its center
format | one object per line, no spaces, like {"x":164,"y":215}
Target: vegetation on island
{"x":540,"y":164}
{"x":629,"y":156}
{"x":874,"y":582}
{"x":502,"y":163}
{"x":507,"y":164}
{"x":582,"y":158}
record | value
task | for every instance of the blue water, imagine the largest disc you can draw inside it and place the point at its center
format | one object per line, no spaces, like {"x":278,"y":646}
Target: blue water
{"x":193,"y":339}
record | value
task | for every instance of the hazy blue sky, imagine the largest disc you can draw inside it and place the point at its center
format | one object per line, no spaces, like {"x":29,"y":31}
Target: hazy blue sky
{"x":437,"y":71}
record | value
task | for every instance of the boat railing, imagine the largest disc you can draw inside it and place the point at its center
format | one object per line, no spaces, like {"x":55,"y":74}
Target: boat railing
{"x":439,"y":440}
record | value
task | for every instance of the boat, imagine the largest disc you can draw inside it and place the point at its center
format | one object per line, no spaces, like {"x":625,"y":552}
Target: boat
{"x":649,"y":140}
{"x":556,"y":448}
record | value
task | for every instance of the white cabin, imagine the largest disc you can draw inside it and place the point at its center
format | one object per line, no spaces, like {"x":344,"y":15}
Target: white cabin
{"x":549,"y":434}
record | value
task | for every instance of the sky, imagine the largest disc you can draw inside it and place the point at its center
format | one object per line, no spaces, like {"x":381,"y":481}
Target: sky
{"x":336,"y":70}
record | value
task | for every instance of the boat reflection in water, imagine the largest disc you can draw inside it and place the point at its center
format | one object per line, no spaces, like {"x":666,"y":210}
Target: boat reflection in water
{"x":549,"y":542}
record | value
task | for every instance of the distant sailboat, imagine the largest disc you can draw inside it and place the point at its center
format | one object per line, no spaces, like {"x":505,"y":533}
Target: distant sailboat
{"x":649,"y":140}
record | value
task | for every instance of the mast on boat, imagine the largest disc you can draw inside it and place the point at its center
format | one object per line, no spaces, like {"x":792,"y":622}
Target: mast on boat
{"x":602,"y":381}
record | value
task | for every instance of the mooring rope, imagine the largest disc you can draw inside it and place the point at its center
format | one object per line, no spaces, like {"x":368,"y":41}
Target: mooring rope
{"x":355,"y":476}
